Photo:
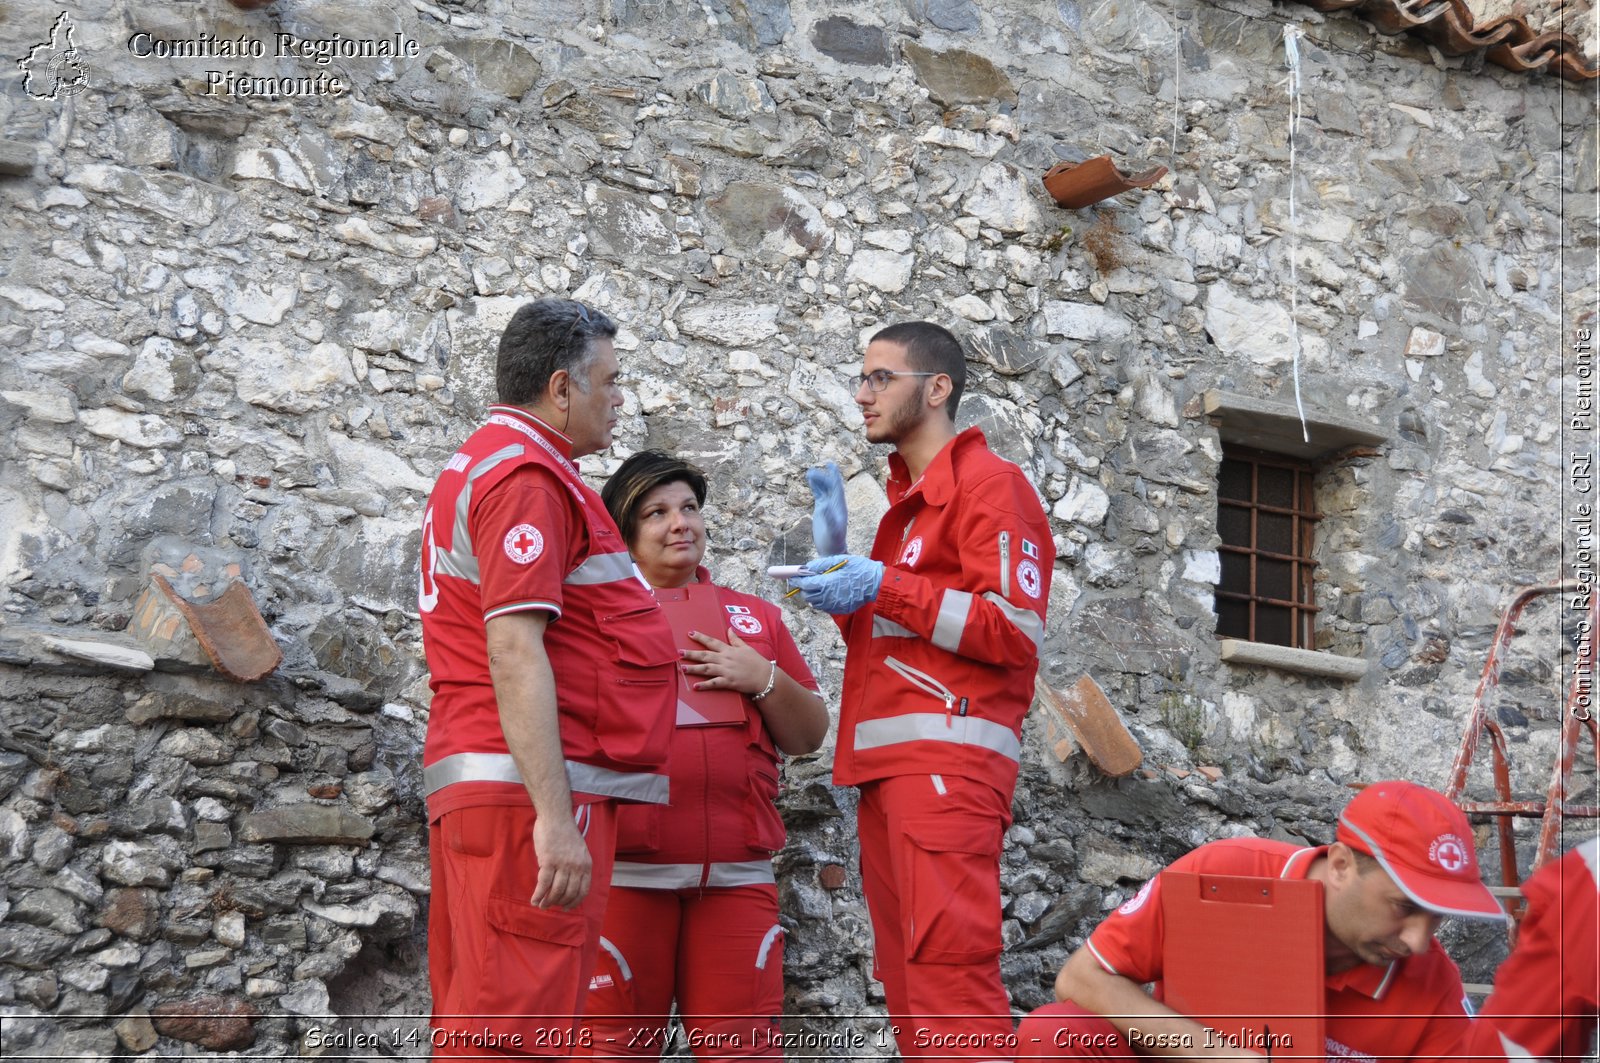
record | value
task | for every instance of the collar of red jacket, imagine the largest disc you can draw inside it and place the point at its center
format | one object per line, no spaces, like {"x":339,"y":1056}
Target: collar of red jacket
{"x":938,"y":483}
{"x":556,"y":438}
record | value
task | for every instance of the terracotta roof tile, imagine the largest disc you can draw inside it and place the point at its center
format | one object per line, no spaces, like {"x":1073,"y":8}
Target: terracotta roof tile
{"x":229,"y":629}
{"x":1557,"y":36}
{"x":1093,"y":721}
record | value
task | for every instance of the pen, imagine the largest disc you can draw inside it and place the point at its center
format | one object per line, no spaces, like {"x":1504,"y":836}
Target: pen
{"x":796,"y":590}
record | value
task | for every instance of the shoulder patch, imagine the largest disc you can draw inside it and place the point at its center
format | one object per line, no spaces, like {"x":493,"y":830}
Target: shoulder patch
{"x":524,"y":544}
{"x":1028,"y":577}
{"x":1134,"y":903}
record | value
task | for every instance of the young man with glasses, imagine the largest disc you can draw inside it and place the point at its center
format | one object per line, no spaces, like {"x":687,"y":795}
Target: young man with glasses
{"x":942,"y":626}
{"x":553,"y":676}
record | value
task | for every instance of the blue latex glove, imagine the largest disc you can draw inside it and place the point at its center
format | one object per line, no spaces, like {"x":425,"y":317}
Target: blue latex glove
{"x":828,"y":516}
{"x":853,"y":584}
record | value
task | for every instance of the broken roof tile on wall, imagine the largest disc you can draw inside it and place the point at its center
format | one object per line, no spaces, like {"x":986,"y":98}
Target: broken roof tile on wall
{"x":1556,"y":35}
{"x":228,"y":630}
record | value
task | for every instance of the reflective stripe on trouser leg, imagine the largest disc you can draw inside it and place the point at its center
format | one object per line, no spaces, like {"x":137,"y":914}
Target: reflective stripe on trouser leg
{"x":718,"y":951}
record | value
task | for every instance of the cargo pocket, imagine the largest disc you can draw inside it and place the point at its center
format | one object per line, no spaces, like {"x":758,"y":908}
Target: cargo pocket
{"x":953,"y":888}
{"x":763,"y":825}
{"x":638,"y":829}
{"x":635,"y":697}
{"x":528,"y":946}
{"x":610,"y":988}
{"x":479,"y":830}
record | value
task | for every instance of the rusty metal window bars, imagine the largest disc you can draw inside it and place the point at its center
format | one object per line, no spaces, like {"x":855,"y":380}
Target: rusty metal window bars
{"x":1267,"y":519}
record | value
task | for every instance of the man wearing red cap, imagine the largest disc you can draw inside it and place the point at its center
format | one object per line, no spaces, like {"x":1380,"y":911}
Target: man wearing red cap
{"x":1547,"y":994}
{"x":1402,"y":860}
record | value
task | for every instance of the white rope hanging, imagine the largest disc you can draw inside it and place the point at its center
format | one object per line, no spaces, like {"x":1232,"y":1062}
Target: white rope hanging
{"x":1291,"y":47}
{"x":1177,"y":80}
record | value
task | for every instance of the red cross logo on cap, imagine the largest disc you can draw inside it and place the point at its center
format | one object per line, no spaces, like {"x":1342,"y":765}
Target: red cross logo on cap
{"x":1449,"y":853}
{"x":524,"y":544}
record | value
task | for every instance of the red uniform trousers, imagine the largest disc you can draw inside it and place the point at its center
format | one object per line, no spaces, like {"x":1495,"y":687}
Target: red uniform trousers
{"x":1065,"y":1029}
{"x":509,"y":979}
{"x":718,"y":951}
{"x":930,"y":871}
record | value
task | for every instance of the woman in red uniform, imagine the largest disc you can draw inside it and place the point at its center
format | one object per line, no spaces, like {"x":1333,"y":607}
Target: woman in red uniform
{"x":693,"y":913}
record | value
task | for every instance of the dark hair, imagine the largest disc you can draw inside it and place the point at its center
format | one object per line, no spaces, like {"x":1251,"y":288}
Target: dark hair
{"x":931,"y":348}
{"x":1366,"y":863}
{"x":542,"y":337}
{"x":637,"y":477}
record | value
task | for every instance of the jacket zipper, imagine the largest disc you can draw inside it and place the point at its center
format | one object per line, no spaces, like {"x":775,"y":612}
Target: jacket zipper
{"x":1005,"y":564}
{"x":923,"y":681}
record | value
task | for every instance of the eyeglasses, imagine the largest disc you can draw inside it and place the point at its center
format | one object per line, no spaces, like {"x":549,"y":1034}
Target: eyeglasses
{"x":581,"y":319}
{"x":879,"y":379}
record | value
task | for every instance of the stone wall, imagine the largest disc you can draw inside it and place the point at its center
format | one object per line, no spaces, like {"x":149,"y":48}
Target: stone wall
{"x":244,"y":333}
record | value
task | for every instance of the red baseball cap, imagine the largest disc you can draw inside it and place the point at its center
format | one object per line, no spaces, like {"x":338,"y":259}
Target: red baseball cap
{"x":1425,"y":844}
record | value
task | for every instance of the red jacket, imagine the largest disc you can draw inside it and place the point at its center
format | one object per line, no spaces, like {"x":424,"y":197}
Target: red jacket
{"x":512,"y":527}
{"x":939,"y":670}
{"x":1546,"y":998}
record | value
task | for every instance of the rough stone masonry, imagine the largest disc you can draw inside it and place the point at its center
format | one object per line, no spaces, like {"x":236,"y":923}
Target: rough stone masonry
{"x":244,"y":329}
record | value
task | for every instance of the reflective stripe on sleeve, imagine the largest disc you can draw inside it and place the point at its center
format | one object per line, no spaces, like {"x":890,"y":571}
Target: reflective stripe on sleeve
{"x":1514,"y":1050}
{"x":602,"y":568}
{"x":882,"y":628}
{"x":1025,"y":620}
{"x":582,"y":778}
{"x":955,"y":609}
{"x":460,"y":560}
{"x":954,"y":606}
{"x":938,"y":727}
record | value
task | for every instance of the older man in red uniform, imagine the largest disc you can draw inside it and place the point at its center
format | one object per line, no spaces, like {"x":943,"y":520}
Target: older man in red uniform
{"x":553,"y":674}
{"x":942,"y":628}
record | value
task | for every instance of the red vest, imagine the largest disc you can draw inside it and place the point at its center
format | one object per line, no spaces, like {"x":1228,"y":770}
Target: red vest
{"x":608,"y":643}
{"x":724,"y":777}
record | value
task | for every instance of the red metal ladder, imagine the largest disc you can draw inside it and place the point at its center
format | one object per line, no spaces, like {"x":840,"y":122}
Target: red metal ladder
{"x":1580,"y":709}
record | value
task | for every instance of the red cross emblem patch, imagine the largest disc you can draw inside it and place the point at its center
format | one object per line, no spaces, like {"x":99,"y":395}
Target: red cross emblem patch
{"x":524,"y":544}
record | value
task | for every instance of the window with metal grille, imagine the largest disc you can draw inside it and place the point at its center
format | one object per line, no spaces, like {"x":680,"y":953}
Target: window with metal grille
{"x":1267,"y":519}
